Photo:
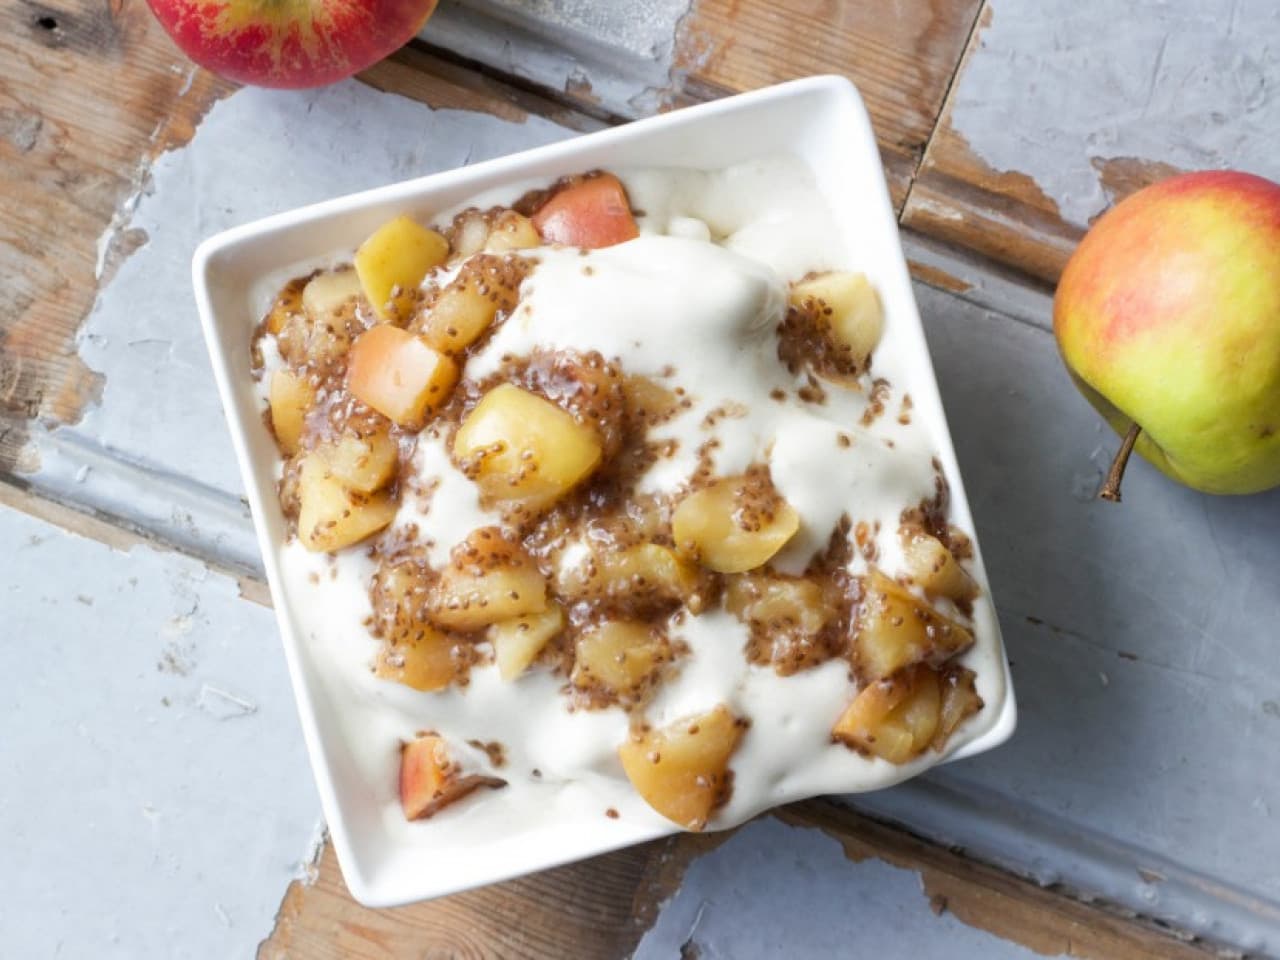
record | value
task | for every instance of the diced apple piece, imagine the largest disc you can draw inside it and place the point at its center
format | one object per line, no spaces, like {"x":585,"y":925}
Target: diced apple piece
{"x":616,"y":659}
{"x":331,"y":516}
{"x":460,"y":313}
{"x":430,"y":780}
{"x":518,"y":446}
{"x":789,"y":620}
{"x":488,"y":579}
{"x":851,"y":307}
{"x":362,"y":463}
{"x":319,"y":343}
{"x":896,"y":629}
{"x":641,"y":574}
{"x":289,"y":397}
{"x":648,"y":401}
{"x":960,"y":701}
{"x":286,"y":306}
{"x":894,"y":718}
{"x":423,"y":660}
{"x":397,"y":374}
{"x":517,"y":642}
{"x":590,"y":213}
{"x":682,"y":770}
{"x":512,"y":231}
{"x":325,"y":293}
{"x":734,"y":525}
{"x":468,"y":233}
{"x":778,"y":603}
{"x":934,"y":568}
{"x":393,"y":262}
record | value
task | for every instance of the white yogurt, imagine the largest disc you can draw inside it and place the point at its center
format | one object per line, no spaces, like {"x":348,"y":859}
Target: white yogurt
{"x":694,"y":302}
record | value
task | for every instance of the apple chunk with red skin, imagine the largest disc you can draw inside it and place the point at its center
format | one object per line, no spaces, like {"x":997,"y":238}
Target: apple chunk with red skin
{"x":591,"y":213}
{"x":290,"y":43}
{"x":1168,"y":317}
{"x":430,"y":779}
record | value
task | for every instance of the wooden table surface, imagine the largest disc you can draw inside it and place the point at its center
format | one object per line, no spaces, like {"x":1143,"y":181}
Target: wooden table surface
{"x":1005,"y":127}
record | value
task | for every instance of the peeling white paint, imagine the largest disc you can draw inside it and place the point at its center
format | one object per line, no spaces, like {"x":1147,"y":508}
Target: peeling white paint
{"x":133,"y":823}
{"x":773,"y":890}
{"x":1057,"y":84}
{"x":158,"y":443}
{"x":622,"y":51}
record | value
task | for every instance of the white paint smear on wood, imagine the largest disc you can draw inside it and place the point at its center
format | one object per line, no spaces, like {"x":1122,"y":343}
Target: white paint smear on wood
{"x":1057,"y":84}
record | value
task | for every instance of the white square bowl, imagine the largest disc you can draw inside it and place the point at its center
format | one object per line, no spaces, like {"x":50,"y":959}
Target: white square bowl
{"x":822,"y":121}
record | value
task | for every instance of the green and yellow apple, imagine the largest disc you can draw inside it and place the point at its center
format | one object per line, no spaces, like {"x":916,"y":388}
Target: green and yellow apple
{"x":290,"y":43}
{"x":1168,"y":317}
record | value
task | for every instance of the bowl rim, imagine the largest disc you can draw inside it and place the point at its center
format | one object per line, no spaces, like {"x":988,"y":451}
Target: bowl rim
{"x":362,"y":886}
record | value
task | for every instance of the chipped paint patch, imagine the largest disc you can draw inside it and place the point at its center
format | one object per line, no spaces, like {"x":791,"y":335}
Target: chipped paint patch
{"x":1121,"y":176}
{"x":937,"y":277}
{"x":143,"y":337}
{"x":775,"y":890}
{"x":1054,"y":85}
{"x":621,"y":52}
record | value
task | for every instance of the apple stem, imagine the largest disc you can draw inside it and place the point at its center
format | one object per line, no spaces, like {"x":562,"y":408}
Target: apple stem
{"x":1111,"y":488}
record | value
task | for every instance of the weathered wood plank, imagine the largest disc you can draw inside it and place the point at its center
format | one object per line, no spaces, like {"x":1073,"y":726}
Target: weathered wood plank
{"x":88,"y":94}
{"x":1061,"y":107}
{"x":600,"y":907}
{"x":577,"y":912}
{"x":902,"y":62}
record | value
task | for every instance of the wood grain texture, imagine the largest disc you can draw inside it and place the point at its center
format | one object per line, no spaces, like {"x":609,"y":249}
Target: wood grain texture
{"x":600,"y":908}
{"x":1043,"y":920}
{"x":597,"y":908}
{"x":902,"y":60}
{"x":88,"y":93}
{"x":418,"y":74}
{"x":1060,"y":108}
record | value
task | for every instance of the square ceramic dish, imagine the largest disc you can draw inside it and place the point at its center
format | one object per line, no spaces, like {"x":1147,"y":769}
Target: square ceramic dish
{"x":823,"y":122}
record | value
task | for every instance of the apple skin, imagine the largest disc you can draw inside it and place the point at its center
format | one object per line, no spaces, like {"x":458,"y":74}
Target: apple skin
{"x":1168,"y":316}
{"x":290,"y":43}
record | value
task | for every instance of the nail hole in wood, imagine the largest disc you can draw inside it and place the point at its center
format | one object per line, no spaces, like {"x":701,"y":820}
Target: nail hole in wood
{"x":48,"y":23}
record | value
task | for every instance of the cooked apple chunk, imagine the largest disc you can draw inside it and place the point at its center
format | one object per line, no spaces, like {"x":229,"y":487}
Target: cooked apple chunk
{"x":960,"y":701}
{"x":734,"y":525}
{"x":319,"y":343}
{"x":682,"y":770}
{"x":643,"y":575}
{"x":393,"y":262}
{"x":331,"y":515}
{"x":791,"y":619}
{"x":326,"y":293}
{"x":615,"y":660}
{"x":850,"y":307}
{"x":934,"y":567}
{"x":363,"y":463}
{"x":512,"y":231}
{"x":895,"y":718}
{"x":397,"y":374}
{"x":289,"y":398}
{"x":896,"y":629}
{"x":422,"y":659}
{"x":488,"y":579}
{"x":518,"y":641}
{"x":431,"y":780}
{"x":518,"y":446}
{"x":459,"y":313}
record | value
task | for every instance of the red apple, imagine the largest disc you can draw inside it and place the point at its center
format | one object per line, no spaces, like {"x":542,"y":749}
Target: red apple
{"x":1168,"y":317}
{"x":290,"y":43}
